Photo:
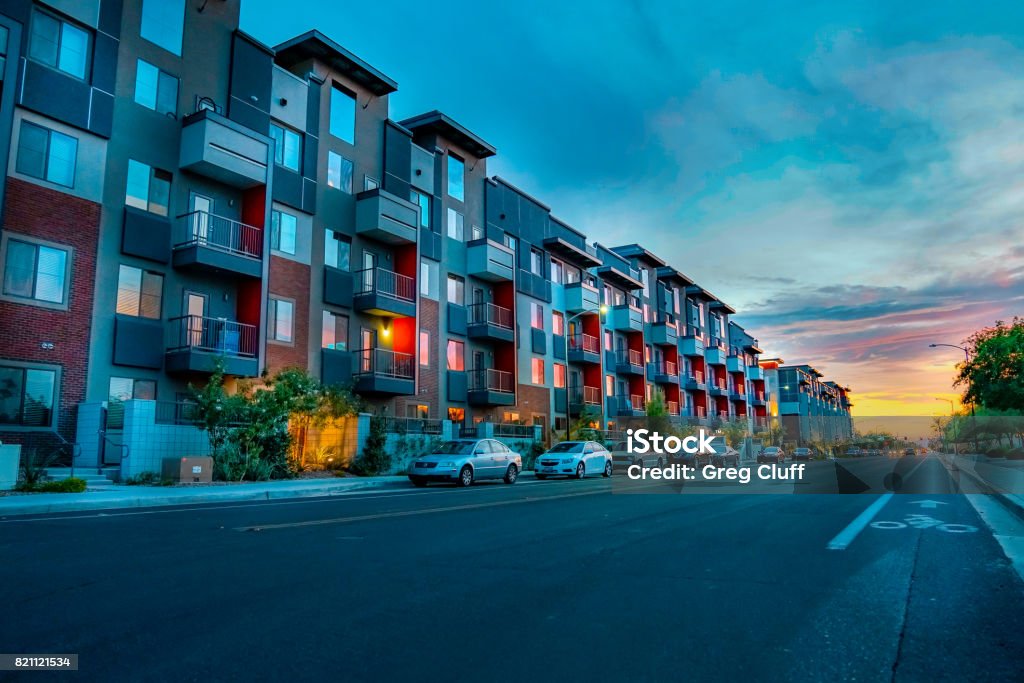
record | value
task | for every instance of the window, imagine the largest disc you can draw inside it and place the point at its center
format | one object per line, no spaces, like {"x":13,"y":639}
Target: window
{"x":536,"y":262}
{"x":280,"y":321}
{"x":607,"y":340}
{"x":148,"y":188}
{"x":457,"y":415}
{"x":476,"y":233}
{"x":126,"y":389}
{"x":536,"y":316}
{"x":36,"y":272}
{"x":27,"y":396}
{"x":339,"y":172}
{"x":337,"y":250}
{"x":511,"y":242}
{"x":456,"y":177}
{"x":609,"y":385}
{"x":155,"y":89}
{"x":510,"y":417}
{"x":343,"y":114}
{"x":370,"y":183}
{"x":645,"y":279}
{"x":335,"y":332}
{"x":557,"y":272}
{"x":282,"y":231}
{"x":139,"y":292}
{"x":456,"y":355}
{"x":572,"y":274}
{"x":456,"y":227}
{"x":424,"y":349}
{"x":60,"y":44}
{"x":163,"y":23}
{"x":47,"y":154}
{"x":647,"y":353}
{"x":418,"y":411}
{"x":421,"y":200}
{"x":287,"y":146}
{"x":559,"y":376}
{"x":558,"y":324}
{"x":456,"y":290}
{"x":429,"y":273}
{"x":537,"y":371}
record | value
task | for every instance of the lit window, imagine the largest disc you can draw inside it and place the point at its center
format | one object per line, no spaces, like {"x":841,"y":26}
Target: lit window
{"x":456,"y":226}
{"x":163,"y":23}
{"x":424,"y":349}
{"x":456,"y":177}
{"x":139,"y":292}
{"x":559,"y":376}
{"x":148,"y":188}
{"x":609,"y":385}
{"x":155,"y":89}
{"x":536,"y":316}
{"x":27,"y":397}
{"x":343,"y":114}
{"x":457,"y":415}
{"x":282,"y":231}
{"x":607,"y":340}
{"x":335,"y":332}
{"x":337,"y":250}
{"x":126,"y":389}
{"x":47,"y":154}
{"x":287,"y":147}
{"x":339,"y":172}
{"x":280,"y":321}
{"x":456,"y":355}
{"x":59,"y":44}
{"x":537,"y":371}
{"x":417,"y":411}
{"x":35,"y":272}
{"x":558,"y":324}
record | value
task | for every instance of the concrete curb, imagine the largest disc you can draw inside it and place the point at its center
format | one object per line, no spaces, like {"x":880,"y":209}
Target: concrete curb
{"x":1013,"y":503}
{"x":46,"y":503}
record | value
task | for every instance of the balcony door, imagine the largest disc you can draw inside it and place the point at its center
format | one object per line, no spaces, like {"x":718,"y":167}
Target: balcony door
{"x":368,"y":342}
{"x":202,"y":208}
{"x":369,"y":270}
{"x":195,"y":306}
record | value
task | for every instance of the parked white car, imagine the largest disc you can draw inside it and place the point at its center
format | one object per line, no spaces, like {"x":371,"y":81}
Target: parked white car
{"x":622,"y":458}
{"x":574,"y":459}
{"x":464,"y":461}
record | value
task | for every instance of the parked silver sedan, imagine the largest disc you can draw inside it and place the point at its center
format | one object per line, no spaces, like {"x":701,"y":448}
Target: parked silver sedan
{"x":464,"y":461}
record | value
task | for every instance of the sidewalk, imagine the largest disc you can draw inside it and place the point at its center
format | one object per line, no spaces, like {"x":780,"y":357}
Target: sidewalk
{"x":155,"y":496}
{"x":1003,"y":478}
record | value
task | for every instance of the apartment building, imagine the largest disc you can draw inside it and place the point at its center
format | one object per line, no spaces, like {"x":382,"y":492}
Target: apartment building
{"x":180,"y":197}
{"x":809,"y":408}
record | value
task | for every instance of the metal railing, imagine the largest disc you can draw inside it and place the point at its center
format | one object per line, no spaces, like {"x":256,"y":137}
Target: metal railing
{"x":629,"y":357}
{"x":584,"y":342}
{"x":720,"y":383}
{"x":673,"y":408}
{"x":585,"y":395}
{"x":665,"y":367}
{"x":490,"y":379}
{"x":698,"y":376}
{"x":202,"y":228}
{"x":384,"y":362}
{"x":216,"y":335}
{"x":385,"y":282}
{"x":513,"y":430}
{"x":410,"y":425}
{"x":490,"y":314}
{"x":700,"y":411}
{"x":176,"y":413}
{"x":715,"y":343}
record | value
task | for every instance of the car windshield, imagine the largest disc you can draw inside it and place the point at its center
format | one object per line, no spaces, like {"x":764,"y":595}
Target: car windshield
{"x":567,"y":447}
{"x":772,"y":449}
{"x":455,"y":448}
{"x":620,"y":446}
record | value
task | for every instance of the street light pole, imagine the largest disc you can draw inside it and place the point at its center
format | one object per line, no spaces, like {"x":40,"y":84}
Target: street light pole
{"x":952,"y":414}
{"x":568,"y":324}
{"x":967,"y":359}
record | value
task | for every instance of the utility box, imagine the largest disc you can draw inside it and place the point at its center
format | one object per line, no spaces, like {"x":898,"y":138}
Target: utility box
{"x":189,"y":470}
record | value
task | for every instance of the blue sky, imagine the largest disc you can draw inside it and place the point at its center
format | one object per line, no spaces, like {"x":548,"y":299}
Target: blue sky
{"x":848,"y":175}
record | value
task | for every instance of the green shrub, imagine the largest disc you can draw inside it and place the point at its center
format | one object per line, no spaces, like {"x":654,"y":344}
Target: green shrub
{"x":143,"y":479}
{"x":536,"y":448}
{"x":69,"y":485}
{"x":376,"y":458}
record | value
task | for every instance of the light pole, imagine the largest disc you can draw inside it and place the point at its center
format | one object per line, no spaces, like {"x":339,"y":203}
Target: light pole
{"x":967,"y":359}
{"x":601,"y":310}
{"x":952,"y":414}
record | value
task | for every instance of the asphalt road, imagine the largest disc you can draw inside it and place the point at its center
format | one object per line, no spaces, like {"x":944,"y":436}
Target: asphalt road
{"x":541,"y":580}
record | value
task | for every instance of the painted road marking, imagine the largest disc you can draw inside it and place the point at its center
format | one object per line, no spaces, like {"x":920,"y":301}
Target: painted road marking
{"x":845,"y":537}
{"x":925,"y":522}
{"x":927,"y":504}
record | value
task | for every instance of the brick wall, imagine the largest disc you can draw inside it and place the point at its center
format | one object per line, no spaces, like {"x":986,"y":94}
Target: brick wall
{"x":60,"y":218}
{"x":428,"y":387}
{"x":290,"y":280}
{"x":533,"y":400}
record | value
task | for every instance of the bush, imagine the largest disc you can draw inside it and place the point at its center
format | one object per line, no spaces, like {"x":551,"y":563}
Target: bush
{"x":33,"y":469}
{"x":143,"y":479}
{"x":376,"y":458}
{"x":69,"y":485}
{"x":536,"y":448}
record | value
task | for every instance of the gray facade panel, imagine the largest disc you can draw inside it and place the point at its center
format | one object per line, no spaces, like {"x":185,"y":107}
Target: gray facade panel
{"x":146,"y":235}
{"x":138,"y":342}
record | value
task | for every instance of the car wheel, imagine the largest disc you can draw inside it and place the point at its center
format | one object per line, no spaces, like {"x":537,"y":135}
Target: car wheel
{"x":581,"y":471}
{"x":511,"y":474}
{"x":418,"y":483}
{"x":466,"y":476}
{"x":608,"y":469}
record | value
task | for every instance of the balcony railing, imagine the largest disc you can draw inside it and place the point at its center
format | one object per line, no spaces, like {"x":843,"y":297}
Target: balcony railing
{"x":213,"y":335}
{"x":665,"y":368}
{"x":204,"y":229}
{"x":629,"y":357}
{"x":490,"y":314}
{"x":715,"y":343}
{"x":698,"y":376}
{"x":384,"y":363}
{"x":489,"y":379}
{"x":673,"y":408}
{"x":385,"y":282}
{"x":590,"y":396}
{"x":410,"y":425}
{"x":720,"y":383}
{"x":587,"y":343}
{"x":637,"y":401}
{"x":700,"y":411}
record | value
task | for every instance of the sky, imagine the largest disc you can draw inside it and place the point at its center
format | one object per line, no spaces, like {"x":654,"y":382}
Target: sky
{"x":848,"y":175}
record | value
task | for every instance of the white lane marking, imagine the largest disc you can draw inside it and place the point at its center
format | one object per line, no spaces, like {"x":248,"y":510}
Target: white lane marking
{"x":845,"y":537}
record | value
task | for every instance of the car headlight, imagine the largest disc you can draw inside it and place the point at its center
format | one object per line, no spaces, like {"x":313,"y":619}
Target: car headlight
{"x":566,"y":461}
{"x":446,"y":464}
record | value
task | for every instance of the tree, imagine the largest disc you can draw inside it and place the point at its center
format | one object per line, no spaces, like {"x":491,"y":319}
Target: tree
{"x":657,"y":413}
{"x":775,"y":432}
{"x":994,"y":375}
{"x":734,"y":431}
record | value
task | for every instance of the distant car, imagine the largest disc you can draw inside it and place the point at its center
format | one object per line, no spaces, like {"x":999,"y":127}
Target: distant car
{"x":464,"y":461}
{"x":574,"y":459}
{"x":622,"y":458}
{"x":853,"y":452}
{"x":772,"y":454}
{"x":802,"y":454}
{"x":909,"y":451}
{"x":730,"y":458}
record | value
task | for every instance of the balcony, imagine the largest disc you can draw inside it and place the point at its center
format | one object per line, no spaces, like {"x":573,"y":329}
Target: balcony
{"x":694,"y":381}
{"x":487,"y":260}
{"x":757,"y":399}
{"x":335,"y":367}
{"x":755,"y":372}
{"x":584,"y":348}
{"x":581,"y":398}
{"x":718,"y":388}
{"x":737,"y":394}
{"x":663,"y":333}
{"x":337,"y":287}
{"x":385,"y":293}
{"x":673,"y":408}
{"x":665,"y":372}
{"x":714,"y":353}
{"x":383,"y":372}
{"x":212,"y":243}
{"x":629,"y":406}
{"x":626,"y":318}
{"x":196,"y":343}
{"x":219,"y":148}
{"x":491,"y":322}
{"x":629,"y":362}
{"x":580,"y":296}
{"x":490,"y":387}
{"x":735,"y":364}
{"x":691,"y":344}
{"x":386,"y":218}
